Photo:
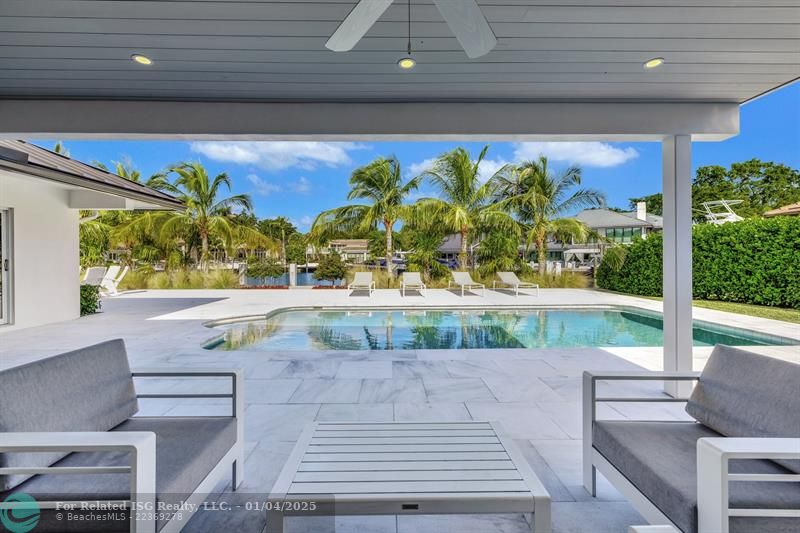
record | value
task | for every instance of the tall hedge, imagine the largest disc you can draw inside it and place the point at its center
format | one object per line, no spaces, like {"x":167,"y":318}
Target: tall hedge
{"x":753,"y":261}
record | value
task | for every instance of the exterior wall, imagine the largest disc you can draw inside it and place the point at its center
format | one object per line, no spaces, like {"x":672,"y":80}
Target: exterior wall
{"x":45,"y":251}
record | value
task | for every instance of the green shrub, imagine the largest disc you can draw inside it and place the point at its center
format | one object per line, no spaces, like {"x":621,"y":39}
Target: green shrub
{"x":90,"y":299}
{"x":261,"y":269}
{"x":222,"y":279}
{"x":331,"y":267}
{"x":754,"y":261}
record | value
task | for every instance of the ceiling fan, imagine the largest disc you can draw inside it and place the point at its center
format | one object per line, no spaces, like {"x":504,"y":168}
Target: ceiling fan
{"x":464,"y":18}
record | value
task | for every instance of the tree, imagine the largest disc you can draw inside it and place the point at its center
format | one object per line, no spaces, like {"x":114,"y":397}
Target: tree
{"x":425,"y":252}
{"x":464,"y":203}
{"x":498,"y":252}
{"x":761,"y":185}
{"x":654,"y":203}
{"x":206,"y":214}
{"x":127,"y":170}
{"x":331,"y":267}
{"x":278,"y":228}
{"x":381,"y":184}
{"x":296,"y":249}
{"x":59,"y":148}
{"x":538,"y":197}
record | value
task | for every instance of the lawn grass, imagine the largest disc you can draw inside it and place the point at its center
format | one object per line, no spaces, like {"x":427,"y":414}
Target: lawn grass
{"x":761,"y":311}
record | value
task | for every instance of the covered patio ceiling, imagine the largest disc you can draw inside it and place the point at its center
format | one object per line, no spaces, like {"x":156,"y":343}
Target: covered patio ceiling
{"x":273,"y":50}
{"x":571,"y":69}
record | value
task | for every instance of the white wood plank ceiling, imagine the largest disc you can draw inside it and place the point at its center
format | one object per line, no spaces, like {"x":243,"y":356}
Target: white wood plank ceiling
{"x":269,"y":50}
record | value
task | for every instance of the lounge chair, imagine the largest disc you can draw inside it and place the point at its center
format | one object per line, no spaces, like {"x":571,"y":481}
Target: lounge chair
{"x":413,"y":281}
{"x":510,"y":279}
{"x":112,"y":279}
{"x":362,"y":281}
{"x":94,"y":276}
{"x":465,"y":281}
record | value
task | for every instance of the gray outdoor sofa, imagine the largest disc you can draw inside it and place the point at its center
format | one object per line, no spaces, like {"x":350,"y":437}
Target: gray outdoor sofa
{"x":68,"y":433}
{"x":734,"y":469}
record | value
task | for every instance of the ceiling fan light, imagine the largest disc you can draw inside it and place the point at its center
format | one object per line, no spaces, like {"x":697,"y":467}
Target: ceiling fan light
{"x":407,"y":63}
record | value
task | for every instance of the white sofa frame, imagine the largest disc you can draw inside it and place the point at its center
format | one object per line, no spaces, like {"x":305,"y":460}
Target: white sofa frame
{"x":141,"y":446}
{"x":713,"y":455}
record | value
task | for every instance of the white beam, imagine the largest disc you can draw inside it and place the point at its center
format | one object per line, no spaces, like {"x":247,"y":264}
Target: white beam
{"x":84,"y":199}
{"x":485,"y":121}
{"x":677,"y":262}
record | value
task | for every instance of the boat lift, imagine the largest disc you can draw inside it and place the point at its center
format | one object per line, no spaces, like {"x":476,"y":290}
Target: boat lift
{"x":720,"y":212}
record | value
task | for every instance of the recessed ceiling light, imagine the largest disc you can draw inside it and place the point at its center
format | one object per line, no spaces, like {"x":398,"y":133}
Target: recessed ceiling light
{"x":654,"y":63}
{"x":142,"y":60}
{"x":407,"y":63}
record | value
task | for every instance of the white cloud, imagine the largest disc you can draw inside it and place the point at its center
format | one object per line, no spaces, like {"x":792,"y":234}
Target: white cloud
{"x":302,"y":185}
{"x":415,"y":169}
{"x":489,"y":167}
{"x":278,"y":155}
{"x":263,"y":187}
{"x":589,"y":154}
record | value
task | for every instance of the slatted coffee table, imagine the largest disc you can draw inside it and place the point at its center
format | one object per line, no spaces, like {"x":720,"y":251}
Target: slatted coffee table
{"x":395,"y":468}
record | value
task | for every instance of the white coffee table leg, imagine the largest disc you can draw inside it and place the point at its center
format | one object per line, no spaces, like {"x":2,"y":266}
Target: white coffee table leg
{"x":274,"y":522}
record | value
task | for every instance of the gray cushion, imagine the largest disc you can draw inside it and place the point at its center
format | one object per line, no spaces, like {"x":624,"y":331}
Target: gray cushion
{"x":90,"y":389}
{"x":743,"y":394}
{"x":187,"y":449}
{"x":660,"y":460}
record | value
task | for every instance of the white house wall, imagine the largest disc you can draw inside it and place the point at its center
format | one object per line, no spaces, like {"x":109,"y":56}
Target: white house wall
{"x":45,"y":251}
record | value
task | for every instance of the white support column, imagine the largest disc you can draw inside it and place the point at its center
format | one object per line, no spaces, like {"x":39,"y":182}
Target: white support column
{"x":677,"y":189}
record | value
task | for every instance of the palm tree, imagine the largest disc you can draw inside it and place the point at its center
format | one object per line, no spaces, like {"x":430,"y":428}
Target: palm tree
{"x":381,"y":183}
{"x":127,"y":170}
{"x":205,"y":213}
{"x":464,"y":205}
{"x":278,"y":228}
{"x":538,"y":197}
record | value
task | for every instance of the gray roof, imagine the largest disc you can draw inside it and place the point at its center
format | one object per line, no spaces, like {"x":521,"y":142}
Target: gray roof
{"x":605,"y":218}
{"x":656,"y":220}
{"x":27,"y":158}
{"x":451,"y":244}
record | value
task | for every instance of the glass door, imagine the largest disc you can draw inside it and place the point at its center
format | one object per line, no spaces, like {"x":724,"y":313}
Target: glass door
{"x":5,"y":267}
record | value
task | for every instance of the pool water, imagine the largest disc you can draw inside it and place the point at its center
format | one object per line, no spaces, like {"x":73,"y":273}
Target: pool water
{"x":465,"y":329}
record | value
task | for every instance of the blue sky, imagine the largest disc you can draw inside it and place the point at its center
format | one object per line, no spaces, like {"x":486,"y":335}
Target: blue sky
{"x":300,"y":179}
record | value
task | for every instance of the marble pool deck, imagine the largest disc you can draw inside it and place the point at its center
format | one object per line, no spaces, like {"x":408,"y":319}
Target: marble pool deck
{"x":535,"y":394}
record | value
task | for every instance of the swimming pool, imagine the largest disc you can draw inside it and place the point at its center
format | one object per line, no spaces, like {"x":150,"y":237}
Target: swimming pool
{"x":455,"y":329}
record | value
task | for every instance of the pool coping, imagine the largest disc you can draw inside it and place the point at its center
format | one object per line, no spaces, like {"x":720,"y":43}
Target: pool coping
{"x":713,"y":326}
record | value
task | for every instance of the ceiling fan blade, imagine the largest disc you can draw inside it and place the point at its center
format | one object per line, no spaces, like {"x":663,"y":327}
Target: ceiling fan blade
{"x":469,"y":25}
{"x":356,"y":24}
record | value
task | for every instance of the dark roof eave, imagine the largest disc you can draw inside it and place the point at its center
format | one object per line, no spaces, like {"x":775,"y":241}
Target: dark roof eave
{"x":68,"y":178}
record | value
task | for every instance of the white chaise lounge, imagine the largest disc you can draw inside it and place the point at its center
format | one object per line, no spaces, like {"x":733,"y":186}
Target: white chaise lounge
{"x":94,"y":276}
{"x":735,"y":468}
{"x":362,"y":281}
{"x":112,"y":279}
{"x":465,"y":281}
{"x":510,"y":279}
{"x":412,"y":281}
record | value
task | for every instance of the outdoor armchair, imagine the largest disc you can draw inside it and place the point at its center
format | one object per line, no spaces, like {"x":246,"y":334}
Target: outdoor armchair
{"x":511,"y":280}
{"x":69,"y":434}
{"x":465,"y":281}
{"x":413,"y":281}
{"x":362,"y":281}
{"x":733,"y":469}
{"x":112,"y":279}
